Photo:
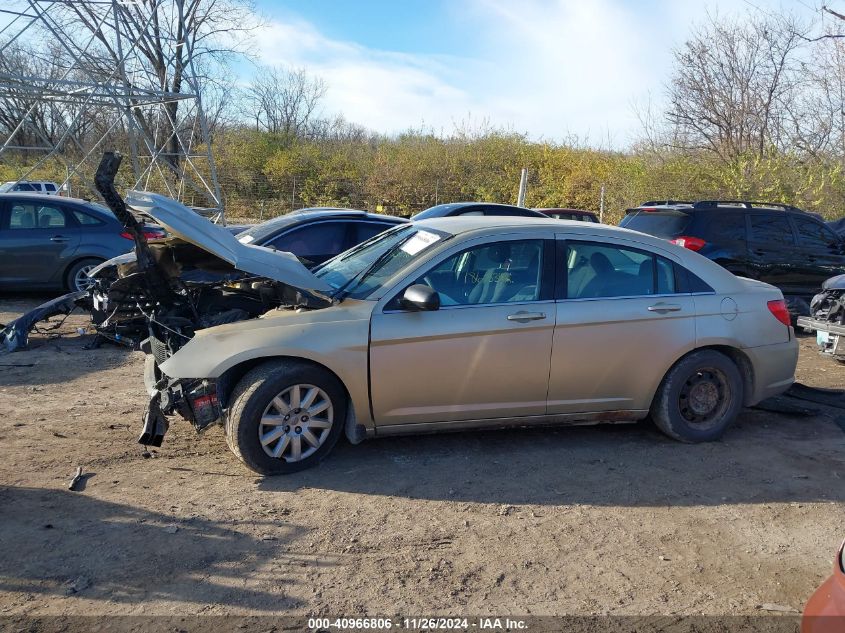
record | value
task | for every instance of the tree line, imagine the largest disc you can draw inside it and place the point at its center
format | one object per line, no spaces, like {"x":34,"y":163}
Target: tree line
{"x":755,"y":109}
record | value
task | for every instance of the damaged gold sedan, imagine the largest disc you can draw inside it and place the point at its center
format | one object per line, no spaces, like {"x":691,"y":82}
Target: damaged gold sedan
{"x":461,"y":323}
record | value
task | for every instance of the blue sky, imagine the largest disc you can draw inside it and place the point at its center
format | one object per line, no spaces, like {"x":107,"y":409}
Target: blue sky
{"x":551,"y":68}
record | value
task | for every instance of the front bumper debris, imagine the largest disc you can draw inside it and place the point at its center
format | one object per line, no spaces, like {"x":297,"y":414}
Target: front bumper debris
{"x":194,"y":400}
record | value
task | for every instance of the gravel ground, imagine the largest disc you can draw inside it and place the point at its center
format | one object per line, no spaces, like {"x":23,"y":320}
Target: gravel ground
{"x":590,"y":520}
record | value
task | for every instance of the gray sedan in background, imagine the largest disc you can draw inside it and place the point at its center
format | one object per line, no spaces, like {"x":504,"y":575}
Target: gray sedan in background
{"x":52,"y":243}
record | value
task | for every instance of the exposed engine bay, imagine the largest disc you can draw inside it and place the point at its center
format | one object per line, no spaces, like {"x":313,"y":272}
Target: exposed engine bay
{"x":827,"y":318}
{"x":173,"y":287}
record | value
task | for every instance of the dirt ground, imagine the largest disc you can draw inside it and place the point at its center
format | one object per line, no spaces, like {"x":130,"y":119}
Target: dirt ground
{"x":591,"y":520}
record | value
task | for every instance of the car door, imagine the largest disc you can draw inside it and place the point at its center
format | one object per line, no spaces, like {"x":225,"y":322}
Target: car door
{"x":823,"y":253}
{"x":620,"y":323}
{"x":37,"y":242}
{"x":773,"y":256}
{"x":485,"y":353}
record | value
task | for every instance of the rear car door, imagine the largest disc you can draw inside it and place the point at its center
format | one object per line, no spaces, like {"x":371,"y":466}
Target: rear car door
{"x":823,"y":252}
{"x":37,"y":242}
{"x":622,"y":319}
{"x":773,"y":255}
{"x":485,"y":353}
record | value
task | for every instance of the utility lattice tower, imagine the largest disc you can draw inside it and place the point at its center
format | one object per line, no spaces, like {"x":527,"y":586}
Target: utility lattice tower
{"x":168,"y":145}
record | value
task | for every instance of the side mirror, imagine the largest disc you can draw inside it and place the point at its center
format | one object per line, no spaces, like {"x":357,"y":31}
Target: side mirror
{"x":421,"y":297}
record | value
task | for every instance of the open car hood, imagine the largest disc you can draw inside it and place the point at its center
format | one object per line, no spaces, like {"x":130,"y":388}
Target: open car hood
{"x":185,"y":224}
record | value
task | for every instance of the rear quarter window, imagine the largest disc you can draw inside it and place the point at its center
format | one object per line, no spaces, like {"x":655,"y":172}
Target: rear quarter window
{"x":665,"y":225}
{"x":721,"y":227}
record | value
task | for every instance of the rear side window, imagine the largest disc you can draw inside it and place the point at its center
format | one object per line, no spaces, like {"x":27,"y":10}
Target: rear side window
{"x":602,"y":271}
{"x":660,"y":224}
{"x":771,"y":228}
{"x":366,"y":230}
{"x":25,"y":186}
{"x":814,"y":234}
{"x":33,"y":216}
{"x":318,"y":240}
{"x":723,"y":227}
{"x":84,"y":219}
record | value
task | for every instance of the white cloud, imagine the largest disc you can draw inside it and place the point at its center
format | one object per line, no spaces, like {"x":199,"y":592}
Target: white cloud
{"x":551,"y":68}
{"x":382,"y":90}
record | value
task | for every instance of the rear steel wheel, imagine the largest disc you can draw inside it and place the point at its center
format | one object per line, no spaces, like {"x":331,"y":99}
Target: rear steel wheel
{"x":703,"y":397}
{"x":699,"y":398}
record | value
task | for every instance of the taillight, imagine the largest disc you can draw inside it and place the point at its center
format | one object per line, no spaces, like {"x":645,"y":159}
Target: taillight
{"x":778,"y":308}
{"x":692,"y":243}
{"x":150,"y":234}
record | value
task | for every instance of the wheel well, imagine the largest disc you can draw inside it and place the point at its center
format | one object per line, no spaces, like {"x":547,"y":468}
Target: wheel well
{"x":233,"y":375}
{"x":73,"y":263}
{"x":746,"y":369}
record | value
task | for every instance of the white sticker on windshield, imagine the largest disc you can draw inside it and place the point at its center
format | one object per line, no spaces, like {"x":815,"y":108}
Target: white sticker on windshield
{"x":245,"y":239}
{"x":420,"y":241}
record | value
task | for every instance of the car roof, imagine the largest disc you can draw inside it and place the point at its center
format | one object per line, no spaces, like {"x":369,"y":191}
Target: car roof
{"x":563,"y":210}
{"x":480,"y":226}
{"x":272,"y":226}
{"x":28,"y":195}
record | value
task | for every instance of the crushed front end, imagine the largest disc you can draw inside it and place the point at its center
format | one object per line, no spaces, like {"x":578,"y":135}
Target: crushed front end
{"x":827,"y":318}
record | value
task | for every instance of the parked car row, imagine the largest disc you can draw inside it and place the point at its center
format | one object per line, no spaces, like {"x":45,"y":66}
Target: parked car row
{"x":55,"y":244}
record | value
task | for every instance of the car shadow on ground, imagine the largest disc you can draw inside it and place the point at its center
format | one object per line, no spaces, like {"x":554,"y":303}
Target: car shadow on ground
{"x":764,"y":458}
{"x":54,"y":542}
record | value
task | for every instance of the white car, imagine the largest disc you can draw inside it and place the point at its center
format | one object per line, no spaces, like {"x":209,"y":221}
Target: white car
{"x":33,"y":186}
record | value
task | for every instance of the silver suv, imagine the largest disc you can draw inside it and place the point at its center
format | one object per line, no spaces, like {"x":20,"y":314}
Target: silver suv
{"x":32,"y":186}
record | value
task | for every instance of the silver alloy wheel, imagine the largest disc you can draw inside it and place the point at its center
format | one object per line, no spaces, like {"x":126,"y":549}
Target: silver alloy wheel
{"x":81,"y":280}
{"x":296,"y":423}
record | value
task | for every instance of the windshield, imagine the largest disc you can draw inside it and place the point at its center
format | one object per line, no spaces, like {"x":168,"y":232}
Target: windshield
{"x":360,"y":270}
{"x":665,"y":224}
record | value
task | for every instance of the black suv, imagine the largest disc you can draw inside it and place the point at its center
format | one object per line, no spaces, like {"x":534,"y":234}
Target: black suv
{"x":779,"y":244}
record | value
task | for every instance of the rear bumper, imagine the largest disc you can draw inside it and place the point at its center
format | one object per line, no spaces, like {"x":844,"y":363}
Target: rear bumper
{"x":774,"y":369}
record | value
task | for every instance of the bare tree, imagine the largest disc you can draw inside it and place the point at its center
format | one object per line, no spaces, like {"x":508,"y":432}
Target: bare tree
{"x":284,"y":101}
{"x":166,"y":37}
{"x":733,"y":85}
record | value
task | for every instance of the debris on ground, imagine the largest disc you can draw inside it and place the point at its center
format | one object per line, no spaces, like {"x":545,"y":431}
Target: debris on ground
{"x":76,"y":479}
{"x":15,"y":336}
{"x":828,"y":397}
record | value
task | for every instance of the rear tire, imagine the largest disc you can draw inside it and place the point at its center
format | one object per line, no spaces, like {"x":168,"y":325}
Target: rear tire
{"x":76,"y":274}
{"x":285,"y":416}
{"x":699,"y":398}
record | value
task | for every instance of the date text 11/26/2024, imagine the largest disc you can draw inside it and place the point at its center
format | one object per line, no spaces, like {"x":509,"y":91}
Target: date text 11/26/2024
{"x":416,"y":623}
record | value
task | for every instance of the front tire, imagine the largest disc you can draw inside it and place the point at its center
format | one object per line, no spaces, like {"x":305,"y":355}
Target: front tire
{"x":699,"y":398}
{"x":285,"y":416}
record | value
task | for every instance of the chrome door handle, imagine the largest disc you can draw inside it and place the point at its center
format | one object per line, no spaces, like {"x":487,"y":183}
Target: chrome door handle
{"x":58,"y":238}
{"x":524,"y":317}
{"x":660,"y":308}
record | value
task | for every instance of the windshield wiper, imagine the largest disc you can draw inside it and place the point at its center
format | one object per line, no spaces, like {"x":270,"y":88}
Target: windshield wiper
{"x":341,"y":293}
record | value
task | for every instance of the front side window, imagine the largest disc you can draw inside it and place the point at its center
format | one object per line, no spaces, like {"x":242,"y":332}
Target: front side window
{"x":33,"y":216}
{"x":602,"y":270}
{"x":814,"y":234}
{"x":503,"y":272}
